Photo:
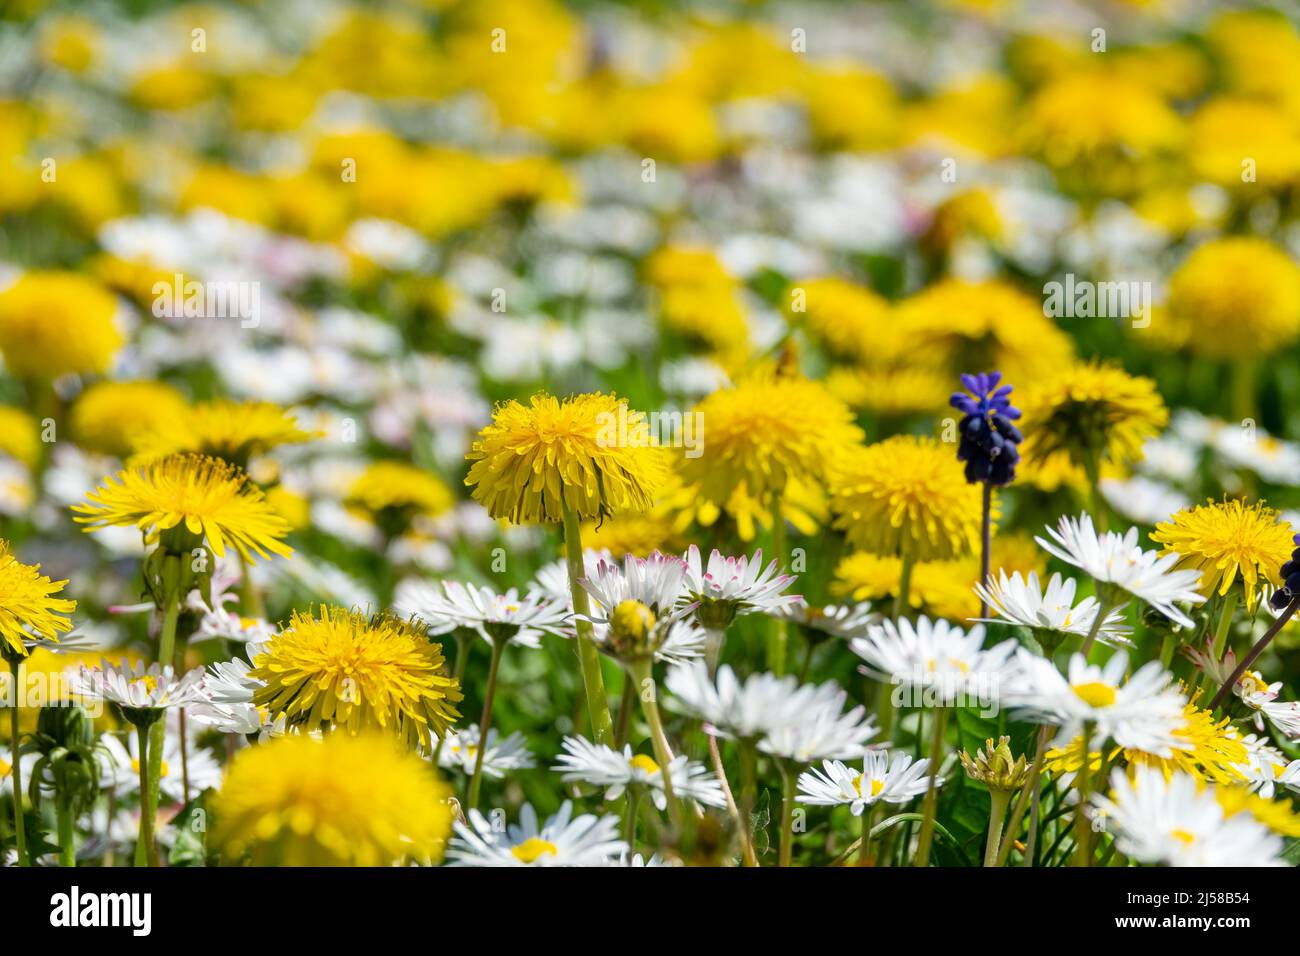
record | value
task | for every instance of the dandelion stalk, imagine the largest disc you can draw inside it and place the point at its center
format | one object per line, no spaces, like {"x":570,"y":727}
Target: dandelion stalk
{"x":593,"y":682}
{"x":777,"y":641}
{"x":931,"y":802}
{"x":20,"y":829}
{"x":904,"y":585}
{"x":171,"y":572}
{"x":476,"y":781}
{"x":1225,"y":624}
{"x":1254,"y":652}
{"x":148,"y":802}
{"x":65,"y":823}
{"x":986,"y":535}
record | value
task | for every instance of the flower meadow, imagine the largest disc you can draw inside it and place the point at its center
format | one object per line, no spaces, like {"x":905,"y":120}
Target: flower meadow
{"x":510,"y":433}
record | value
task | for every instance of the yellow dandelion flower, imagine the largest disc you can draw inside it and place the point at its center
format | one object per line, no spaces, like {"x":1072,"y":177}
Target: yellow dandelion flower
{"x":1280,"y":816}
{"x":938,"y":588}
{"x":1225,"y":539}
{"x":206,"y":497}
{"x":957,"y":325}
{"x":891,"y":392}
{"x":908,"y":496}
{"x":851,"y":108}
{"x":1089,"y":414}
{"x":337,"y":801}
{"x":766,"y":431}
{"x":1238,"y":298}
{"x":709,"y":315}
{"x":637,"y":535}
{"x":396,"y":486}
{"x":19,"y":436}
{"x":589,"y":454}
{"x":57,"y":323}
{"x":27,"y":603}
{"x":350,"y":670}
{"x":1227,"y":130}
{"x":233,"y":431}
{"x":292,"y":507}
{"x":841,"y":314}
{"x":112,"y":417}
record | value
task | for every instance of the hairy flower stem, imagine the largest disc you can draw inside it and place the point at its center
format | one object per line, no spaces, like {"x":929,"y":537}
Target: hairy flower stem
{"x":166,"y":657}
{"x":986,"y":537}
{"x":148,"y":848}
{"x":1028,"y":794}
{"x":593,"y":682}
{"x":928,"y":807}
{"x":1225,"y":624}
{"x":778,"y":639}
{"x":20,"y":830}
{"x":1254,"y":652}
{"x":998,"y":800}
{"x":626,"y":701}
{"x":640,"y":671}
{"x":748,"y":792}
{"x":715,"y":756}
{"x":787,"y":812}
{"x":476,"y":781}
{"x":904,"y":585}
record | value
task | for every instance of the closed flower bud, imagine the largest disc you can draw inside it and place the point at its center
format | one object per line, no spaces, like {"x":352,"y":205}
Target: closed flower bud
{"x":632,"y":631}
{"x":995,"y":767}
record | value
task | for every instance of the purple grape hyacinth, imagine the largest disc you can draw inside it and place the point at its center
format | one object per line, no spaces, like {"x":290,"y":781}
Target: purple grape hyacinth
{"x":988,"y":441}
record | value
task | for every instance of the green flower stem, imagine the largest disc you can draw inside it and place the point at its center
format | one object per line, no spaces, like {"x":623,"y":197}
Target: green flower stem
{"x":641,"y":673}
{"x":1028,"y":794}
{"x":626,"y":701}
{"x":986,"y":536}
{"x":476,"y":781}
{"x":931,"y":802}
{"x":1167,"y":645}
{"x":20,"y":829}
{"x":67,"y":831}
{"x":864,"y":842}
{"x":148,"y":802}
{"x":593,"y":682}
{"x":904,"y":585}
{"x":778,"y":639}
{"x":998,"y":800}
{"x":1225,"y":624}
{"x":1096,"y":504}
{"x":714,"y":639}
{"x":1243,"y":390}
{"x":1103,"y":609}
{"x":1254,"y":652}
{"x":248,"y":592}
{"x":167,"y":658}
{"x":787,"y":812}
{"x":748,"y":793}
{"x":629,"y":825}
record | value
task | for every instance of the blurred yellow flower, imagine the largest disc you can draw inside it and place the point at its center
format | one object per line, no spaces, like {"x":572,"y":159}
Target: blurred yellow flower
{"x":19,"y":435}
{"x":336,"y":801}
{"x":57,"y":323}
{"x":114,"y":417}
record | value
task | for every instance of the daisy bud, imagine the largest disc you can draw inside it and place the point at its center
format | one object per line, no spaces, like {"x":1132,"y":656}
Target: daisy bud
{"x":632,"y":631}
{"x":995,"y":767}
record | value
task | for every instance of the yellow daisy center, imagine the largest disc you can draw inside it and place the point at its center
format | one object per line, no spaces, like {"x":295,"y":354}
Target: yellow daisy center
{"x":1182,"y":836}
{"x":642,"y":762}
{"x":1095,"y":693}
{"x":532,"y":849}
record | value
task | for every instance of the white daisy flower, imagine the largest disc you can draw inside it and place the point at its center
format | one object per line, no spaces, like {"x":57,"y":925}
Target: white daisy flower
{"x":750,"y":710}
{"x":1118,"y":563}
{"x":1252,"y":689}
{"x":655,"y":581}
{"x":1143,"y":712}
{"x":552,"y":579}
{"x":521,"y":620}
{"x":459,"y":751}
{"x":136,"y":687}
{"x":564,"y":840}
{"x":637,"y":860}
{"x":1020,"y":601}
{"x":935,"y":657}
{"x":835,"y":620}
{"x":601,"y":766}
{"x":738,"y":585}
{"x":1267,"y":768}
{"x":893,"y":778}
{"x":820,"y":732}
{"x":1175,"y":822}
